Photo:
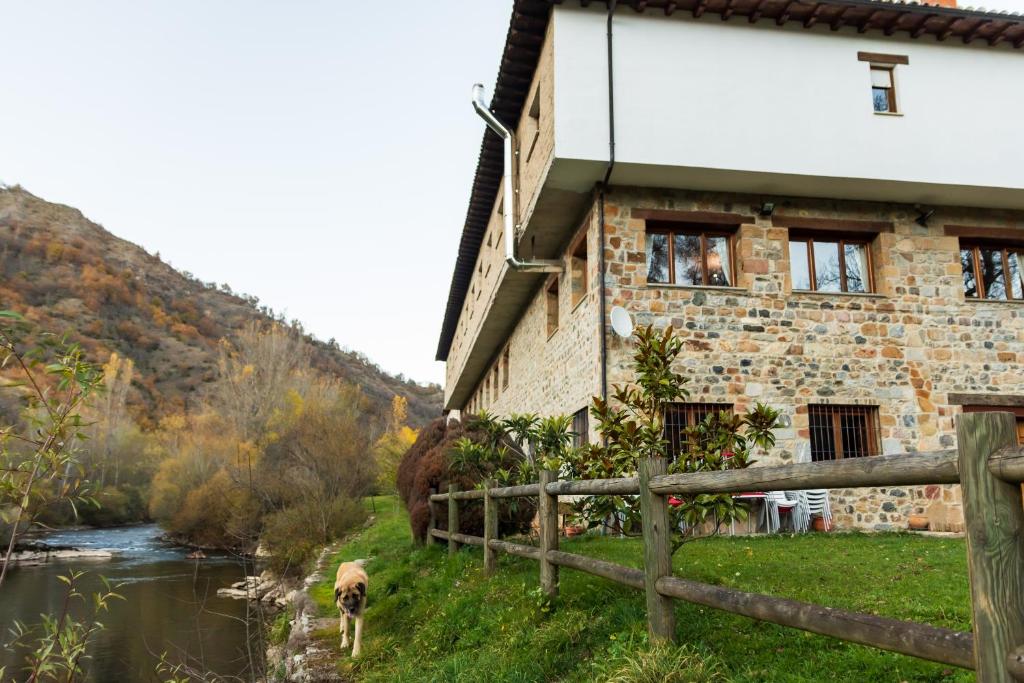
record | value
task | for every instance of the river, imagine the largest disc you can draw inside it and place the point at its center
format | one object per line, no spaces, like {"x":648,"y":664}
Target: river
{"x":170,"y":606}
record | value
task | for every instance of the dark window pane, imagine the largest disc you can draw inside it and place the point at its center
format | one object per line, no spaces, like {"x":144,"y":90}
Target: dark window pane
{"x":657,"y":257}
{"x":718,"y":262}
{"x":970,"y":281}
{"x":823,"y":443}
{"x":857,"y":279}
{"x":854,"y":428}
{"x":992,"y":273}
{"x":880,"y":98}
{"x":1017,"y":274}
{"x":826,"y":267}
{"x":798,"y":265}
{"x":687,"y":255}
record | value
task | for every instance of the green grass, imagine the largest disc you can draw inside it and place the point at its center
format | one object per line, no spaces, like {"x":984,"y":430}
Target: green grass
{"x":435,"y":619}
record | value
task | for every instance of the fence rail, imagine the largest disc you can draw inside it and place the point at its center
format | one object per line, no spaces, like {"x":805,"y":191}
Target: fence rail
{"x":988,"y":464}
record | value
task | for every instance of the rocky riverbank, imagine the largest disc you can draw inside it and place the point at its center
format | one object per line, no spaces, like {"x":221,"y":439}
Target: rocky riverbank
{"x":37,"y":552}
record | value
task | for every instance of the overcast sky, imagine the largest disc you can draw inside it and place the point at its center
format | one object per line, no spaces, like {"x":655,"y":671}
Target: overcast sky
{"x":317,"y":154}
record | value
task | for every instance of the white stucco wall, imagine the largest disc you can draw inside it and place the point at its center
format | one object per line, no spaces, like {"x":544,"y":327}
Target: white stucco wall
{"x":704,"y":94}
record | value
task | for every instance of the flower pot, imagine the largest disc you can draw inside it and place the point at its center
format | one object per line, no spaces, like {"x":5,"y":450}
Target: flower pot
{"x":818,"y":524}
{"x":918,"y":523}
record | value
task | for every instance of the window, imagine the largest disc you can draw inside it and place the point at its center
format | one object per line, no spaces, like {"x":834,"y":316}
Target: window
{"x":992,"y":271}
{"x":578,"y":267}
{"x":504,"y":368}
{"x":826,"y":263}
{"x":552,"y":305}
{"x":681,"y":416}
{"x":839,"y":432}
{"x":580,"y":428}
{"x":1018,"y":412}
{"x":494,"y":384}
{"x":883,"y":89}
{"x":693,"y":256}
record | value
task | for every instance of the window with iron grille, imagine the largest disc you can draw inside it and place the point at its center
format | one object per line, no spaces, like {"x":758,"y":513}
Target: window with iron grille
{"x":580,"y":428}
{"x":681,"y":416}
{"x":839,"y":432}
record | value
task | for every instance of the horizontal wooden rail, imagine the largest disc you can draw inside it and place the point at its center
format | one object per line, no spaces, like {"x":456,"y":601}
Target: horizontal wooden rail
{"x":879,"y":470}
{"x":438,"y":497}
{"x":517,"y":549}
{"x":627,"y":576}
{"x":625,"y":486}
{"x":516,"y":491}
{"x":1008,"y":464}
{"x":906,"y":637}
{"x":438,"y":533}
{"x":466,"y":539}
{"x":473,"y":494}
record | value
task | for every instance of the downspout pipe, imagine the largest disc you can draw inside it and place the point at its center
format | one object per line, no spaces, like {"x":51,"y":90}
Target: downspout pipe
{"x":509,"y":203}
{"x":602,"y":192}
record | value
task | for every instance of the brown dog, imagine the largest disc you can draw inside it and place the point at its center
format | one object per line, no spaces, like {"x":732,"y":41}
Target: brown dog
{"x":350,"y":597}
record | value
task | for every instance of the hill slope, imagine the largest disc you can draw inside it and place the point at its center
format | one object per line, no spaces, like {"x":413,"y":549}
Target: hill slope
{"x":67,"y":273}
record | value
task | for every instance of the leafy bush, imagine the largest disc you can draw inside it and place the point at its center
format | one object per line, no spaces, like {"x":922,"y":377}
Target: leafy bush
{"x":294,"y":534}
{"x":661,"y":664}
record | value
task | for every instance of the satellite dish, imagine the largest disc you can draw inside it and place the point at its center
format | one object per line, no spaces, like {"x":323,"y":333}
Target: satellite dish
{"x":621,"y":322}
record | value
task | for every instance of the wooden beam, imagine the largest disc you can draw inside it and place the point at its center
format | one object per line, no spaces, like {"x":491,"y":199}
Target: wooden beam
{"x":920,"y":29}
{"x":994,"y":520}
{"x":999,"y":35}
{"x":973,"y":33}
{"x":627,"y":576}
{"x":1008,"y":463}
{"x":948,"y":30}
{"x":518,"y":549}
{"x":894,"y":24}
{"x":755,"y":13}
{"x":670,"y":7}
{"x":1015,"y":663}
{"x":432,"y":524}
{"x":626,"y":486}
{"x":833,"y":224}
{"x":918,"y":640}
{"x":908,"y":469}
{"x":716,"y":217}
{"x":547,"y":514}
{"x":1018,"y":43}
{"x":784,"y":14}
{"x":863,"y":26}
{"x":727,"y":10}
{"x":699,"y":8}
{"x":516,"y":491}
{"x":812,"y":18}
{"x":994,"y":400}
{"x":638,"y":5}
{"x":880,"y":58}
{"x":661,"y":619}
{"x":837,"y":21}
{"x":1015,"y":235}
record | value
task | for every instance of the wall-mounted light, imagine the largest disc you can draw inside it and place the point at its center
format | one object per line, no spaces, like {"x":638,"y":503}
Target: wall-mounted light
{"x":923,"y":215}
{"x":767,"y":208}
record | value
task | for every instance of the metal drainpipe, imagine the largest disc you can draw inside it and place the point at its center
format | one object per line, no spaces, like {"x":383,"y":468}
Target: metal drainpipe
{"x":602,"y":191}
{"x":509,"y":190}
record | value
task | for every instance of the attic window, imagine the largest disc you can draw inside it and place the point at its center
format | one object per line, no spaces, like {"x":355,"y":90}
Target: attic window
{"x":883,"y":89}
{"x":533,"y":123}
{"x":883,"y":80}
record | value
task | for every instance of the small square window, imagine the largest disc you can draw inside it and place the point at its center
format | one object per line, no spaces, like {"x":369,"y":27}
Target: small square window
{"x":578,"y":264}
{"x":839,"y":432}
{"x":688,"y":255}
{"x":883,"y":89}
{"x":829,"y":263}
{"x":551,"y":297}
{"x":992,"y":271}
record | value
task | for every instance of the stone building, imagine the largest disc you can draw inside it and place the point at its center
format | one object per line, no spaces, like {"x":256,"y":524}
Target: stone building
{"x":824,"y":198}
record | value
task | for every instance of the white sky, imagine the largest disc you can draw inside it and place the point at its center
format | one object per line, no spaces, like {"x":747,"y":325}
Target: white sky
{"x":317,"y":154}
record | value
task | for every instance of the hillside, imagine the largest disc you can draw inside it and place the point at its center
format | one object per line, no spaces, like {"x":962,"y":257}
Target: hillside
{"x":68,"y":274}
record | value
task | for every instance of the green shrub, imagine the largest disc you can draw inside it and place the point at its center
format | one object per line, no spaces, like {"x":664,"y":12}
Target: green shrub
{"x":661,"y":664}
{"x":294,"y":534}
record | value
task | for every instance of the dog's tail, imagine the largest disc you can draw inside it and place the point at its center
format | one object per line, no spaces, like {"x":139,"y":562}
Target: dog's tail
{"x":362,"y":562}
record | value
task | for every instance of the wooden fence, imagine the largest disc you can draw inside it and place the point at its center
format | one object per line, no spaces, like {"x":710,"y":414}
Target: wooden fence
{"x":988,"y":464}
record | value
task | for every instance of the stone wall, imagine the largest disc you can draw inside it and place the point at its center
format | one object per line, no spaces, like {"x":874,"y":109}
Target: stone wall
{"x":904,"y":348}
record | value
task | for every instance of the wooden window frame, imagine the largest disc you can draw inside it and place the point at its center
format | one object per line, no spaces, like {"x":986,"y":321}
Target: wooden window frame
{"x":691,"y":229}
{"x":1004,"y":248}
{"x":505,"y":363}
{"x":872,"y":434}
{"x":890,"y":91}
{"x":578,"y":292}
{"x":581,"y":427}
{"x":843,"y":240}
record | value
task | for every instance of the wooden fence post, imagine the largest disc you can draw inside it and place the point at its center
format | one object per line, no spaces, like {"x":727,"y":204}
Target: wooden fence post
{"x":547,"y":512}
{"x":432,"y":524}
{"x":661,"y":620}
{"x":453,"y":519}
{"x":994,"y":519}
{"x":490,"y":528}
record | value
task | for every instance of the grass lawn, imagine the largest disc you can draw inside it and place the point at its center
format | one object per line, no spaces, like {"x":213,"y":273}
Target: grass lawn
{"x":435,"y":619}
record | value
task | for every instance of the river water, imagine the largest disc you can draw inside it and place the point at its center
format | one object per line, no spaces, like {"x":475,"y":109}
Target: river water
{"x":170,"y":606}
